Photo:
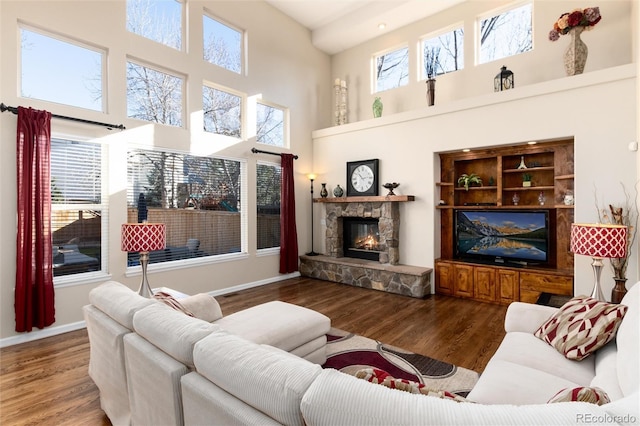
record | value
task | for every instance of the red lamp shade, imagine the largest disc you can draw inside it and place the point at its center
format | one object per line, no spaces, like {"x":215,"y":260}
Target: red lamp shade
{"x":143,"y":237}
{"x":598,"y":240}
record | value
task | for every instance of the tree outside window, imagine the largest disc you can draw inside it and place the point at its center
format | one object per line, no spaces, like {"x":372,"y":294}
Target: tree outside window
{"x":154,"y":95}
{"x":506,"y":34}
{"x":157,"y":20}
{"x":222,"y":112}
{"x":391,"y":69}
{"x":222,"y":44}
{"x":270,"y":126}
{"x":445,"y":52}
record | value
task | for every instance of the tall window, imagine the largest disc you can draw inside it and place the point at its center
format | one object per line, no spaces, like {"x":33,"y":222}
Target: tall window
{"x":391,"y":69}
{"x":222,"y":44}
{"x":154,"y":95}
{"x":222,"y":112}
{"x":506,"y":34}
{"x":268,"y":183}
{"x":157,"y":20}
{"x":60,"y":71}
{"x":270,"y":124}
{"x":443,"y":53}
{"x":78,"y":216}
{"x":198,"y":198}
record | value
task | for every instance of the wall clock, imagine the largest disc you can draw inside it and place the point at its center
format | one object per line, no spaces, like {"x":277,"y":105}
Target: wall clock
{"x":362,"y":177}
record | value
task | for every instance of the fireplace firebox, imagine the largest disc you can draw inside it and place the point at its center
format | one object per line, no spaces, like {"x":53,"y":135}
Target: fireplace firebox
{"x":361,"y":238}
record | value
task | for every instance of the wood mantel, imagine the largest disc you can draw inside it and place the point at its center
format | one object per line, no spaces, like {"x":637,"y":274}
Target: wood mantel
{"x":371,"y":199}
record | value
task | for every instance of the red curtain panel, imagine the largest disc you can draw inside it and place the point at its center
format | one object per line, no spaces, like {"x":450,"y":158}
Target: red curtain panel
{"x":288,"y":233}
{"x":34,"y":297}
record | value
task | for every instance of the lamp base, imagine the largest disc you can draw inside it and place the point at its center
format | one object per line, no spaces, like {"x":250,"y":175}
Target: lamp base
{"x":312,"y":253}
{"x":145,"y":288}
{"x":597,"y":268}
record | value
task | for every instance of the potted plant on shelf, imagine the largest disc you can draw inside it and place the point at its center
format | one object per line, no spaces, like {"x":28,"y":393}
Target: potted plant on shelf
{"x":526,"y":179}
{"x":469,"y":179}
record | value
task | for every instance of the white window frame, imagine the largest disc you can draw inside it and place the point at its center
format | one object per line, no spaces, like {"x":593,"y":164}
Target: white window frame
{"x":270,"y":250}
{"x":243,"y":43}
{"x":243,"y":110}
{"x":94,"y":276}
{"x":435,"y":34}
{"x":285,"y":125}
{"x":496,"y":12}
{"x":374,"y":66}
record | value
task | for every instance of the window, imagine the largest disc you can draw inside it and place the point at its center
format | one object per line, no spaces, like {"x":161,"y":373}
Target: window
{"x":268,"y":181}
{"x":197,"y":198}
{"x":78,"y":216}
{"x":157,"y":20}
{"x":391,"y":69}
{"x":506,"y":34}
{"x":270,"y":124}
{"x":222,"y":44}
{"x":154,"y":95}
{"x":443,"y":53}
{"x":222,"y":112}
{"x":76,"y":70}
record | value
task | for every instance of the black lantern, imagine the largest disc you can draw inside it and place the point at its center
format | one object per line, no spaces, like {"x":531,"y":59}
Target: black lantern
{"x":503,"y":81}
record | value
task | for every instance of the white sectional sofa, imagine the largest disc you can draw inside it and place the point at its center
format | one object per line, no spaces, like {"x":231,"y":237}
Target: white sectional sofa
{"x":220,"y":377}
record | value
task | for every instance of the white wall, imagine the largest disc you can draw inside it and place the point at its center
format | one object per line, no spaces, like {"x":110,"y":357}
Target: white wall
{"x":598,"y":109}
{"x":609,"y":44}
{"x":284,"y":68}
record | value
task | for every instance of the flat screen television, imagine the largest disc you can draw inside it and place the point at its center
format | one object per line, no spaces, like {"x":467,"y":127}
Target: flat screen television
{"x":519,"y":237}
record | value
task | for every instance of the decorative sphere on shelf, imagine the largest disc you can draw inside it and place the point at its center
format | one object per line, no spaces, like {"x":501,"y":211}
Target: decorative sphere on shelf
{"x":391,"y":186}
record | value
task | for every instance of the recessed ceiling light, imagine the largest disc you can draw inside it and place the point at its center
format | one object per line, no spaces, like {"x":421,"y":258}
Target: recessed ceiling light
{"x":466,"y":150}
{"x":532,"y":142}
{"x":382,"y":26}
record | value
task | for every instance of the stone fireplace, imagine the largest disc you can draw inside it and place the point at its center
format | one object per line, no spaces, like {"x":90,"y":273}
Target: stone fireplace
{"x":361,"y":244}
{"x":386,"y":216}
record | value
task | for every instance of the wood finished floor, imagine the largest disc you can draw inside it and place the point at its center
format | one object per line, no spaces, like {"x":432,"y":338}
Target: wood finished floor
{"x":46,"y":382}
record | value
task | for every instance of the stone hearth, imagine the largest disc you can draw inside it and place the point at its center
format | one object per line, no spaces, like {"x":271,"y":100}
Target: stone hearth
{"x":385,"y":274}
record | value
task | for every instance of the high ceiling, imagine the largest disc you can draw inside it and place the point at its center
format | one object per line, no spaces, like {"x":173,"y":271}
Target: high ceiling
{"x":337,"y":25}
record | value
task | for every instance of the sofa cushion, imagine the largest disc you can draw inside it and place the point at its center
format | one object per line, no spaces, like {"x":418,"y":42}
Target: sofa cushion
{"x":582,"y":393}
{"x":269,"y":380}
{"x":581,"y":326}
{"x":172,"y":331}
{"x":627,"y":343}
{"x":606,"y":376}
{"x":383,"y":378}
{"x":118,"y":301}
{"x":527,"y":350}
{"x":280,"y":324}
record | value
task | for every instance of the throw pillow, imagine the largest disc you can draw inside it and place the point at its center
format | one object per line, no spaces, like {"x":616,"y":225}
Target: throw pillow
{"x":585,"y":394}
{"x":172,"y":302}
{"x":581,"y":326}
{"x":381,"y":377}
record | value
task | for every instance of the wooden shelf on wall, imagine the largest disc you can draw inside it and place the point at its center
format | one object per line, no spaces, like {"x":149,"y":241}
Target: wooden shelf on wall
{"x":367,"y":199}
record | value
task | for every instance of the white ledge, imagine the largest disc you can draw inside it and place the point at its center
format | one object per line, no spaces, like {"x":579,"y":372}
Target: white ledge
{"x":593,"y":78}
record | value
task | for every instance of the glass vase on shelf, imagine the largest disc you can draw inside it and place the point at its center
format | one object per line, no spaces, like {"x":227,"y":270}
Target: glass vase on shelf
{"x":541,"y":198}
{"x":515,"y":199}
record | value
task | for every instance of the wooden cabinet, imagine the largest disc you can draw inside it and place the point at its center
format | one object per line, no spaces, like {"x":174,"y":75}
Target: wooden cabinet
{"x":463,"y":280}
{"x":499,"y":284}
{"x":508,"y":286}
{"x":484,"y":283}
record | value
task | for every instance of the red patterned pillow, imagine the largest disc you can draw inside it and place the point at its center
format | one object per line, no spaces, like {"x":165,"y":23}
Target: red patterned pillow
{"x":582,"y":326}
{"x":585,"y":394}
{"x":381,"y":377}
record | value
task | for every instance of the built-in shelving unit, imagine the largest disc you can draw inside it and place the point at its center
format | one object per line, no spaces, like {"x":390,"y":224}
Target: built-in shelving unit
{"x":549,"y":168}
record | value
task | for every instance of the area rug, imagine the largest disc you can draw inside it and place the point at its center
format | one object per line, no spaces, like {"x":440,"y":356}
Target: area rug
{"x":348,"y":352}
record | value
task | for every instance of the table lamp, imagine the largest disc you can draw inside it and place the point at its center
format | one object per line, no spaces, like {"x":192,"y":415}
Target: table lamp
{"x":143,"y":238}
{"x":599,"y":241}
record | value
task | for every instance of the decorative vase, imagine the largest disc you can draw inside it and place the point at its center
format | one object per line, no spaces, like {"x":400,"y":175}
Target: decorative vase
{"x":377,"y":108}
{"x":575,"y":57}
{"x":338,"y":192}
{"x":431,"y":91}
{"x":323,"y":192}
{"x":619,"y":290}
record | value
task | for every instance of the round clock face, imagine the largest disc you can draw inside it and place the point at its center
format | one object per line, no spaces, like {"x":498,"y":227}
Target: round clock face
{"x":362,"y":178}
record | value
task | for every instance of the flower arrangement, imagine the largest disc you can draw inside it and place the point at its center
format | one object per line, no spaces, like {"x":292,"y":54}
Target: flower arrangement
{"x":578,"y":18}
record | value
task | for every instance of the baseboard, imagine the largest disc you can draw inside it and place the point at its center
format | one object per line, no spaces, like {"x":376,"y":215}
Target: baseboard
{"x":41,"y":334}
{"x":55,"y":330}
